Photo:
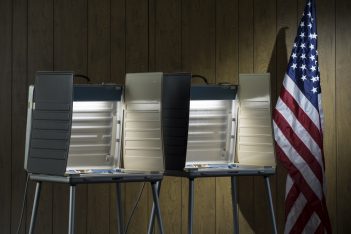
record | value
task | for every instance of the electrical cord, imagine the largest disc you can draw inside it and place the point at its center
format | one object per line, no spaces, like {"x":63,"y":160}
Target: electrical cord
{"x":24,"y":201}
{"x":82,"y":76}
{"x":201,"y":77}
{"x":134,"y":208}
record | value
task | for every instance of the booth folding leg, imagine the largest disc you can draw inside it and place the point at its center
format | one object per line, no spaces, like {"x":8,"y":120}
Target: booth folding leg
{"x":235,"y":205}
{"x":119,"y":209}
{"x":157,"y":205}
{"x":191,"y":205}
{"x":72,"y":206}
{"x":152,"y":215}
{"x":270,"y":203}
{"x":35,"y":207}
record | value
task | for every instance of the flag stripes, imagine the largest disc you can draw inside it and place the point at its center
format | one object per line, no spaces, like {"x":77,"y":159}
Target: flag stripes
{"x":297,"y":124}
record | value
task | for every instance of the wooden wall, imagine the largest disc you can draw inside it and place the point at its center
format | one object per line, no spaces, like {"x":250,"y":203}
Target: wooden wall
{"x":104,"y":39}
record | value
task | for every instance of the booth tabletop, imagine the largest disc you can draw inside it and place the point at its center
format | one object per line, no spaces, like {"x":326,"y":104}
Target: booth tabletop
{"x":98,"y":178}
{"x":220,"y":173}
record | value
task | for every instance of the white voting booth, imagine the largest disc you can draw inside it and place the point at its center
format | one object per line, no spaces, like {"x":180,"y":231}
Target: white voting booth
{"x":75,"y":135}
{"x":229,"y":134}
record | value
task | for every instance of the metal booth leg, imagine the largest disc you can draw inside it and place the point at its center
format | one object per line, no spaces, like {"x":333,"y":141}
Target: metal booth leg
{"x":152,"y":215}
{"x":72,"y":203}
{"x":119,"y":209}
{"x":235,"y":205}
{"x":270,"y":203}
{"x":35,"y":207}
{"x":191,"y":205}
{"x":157,"y":206}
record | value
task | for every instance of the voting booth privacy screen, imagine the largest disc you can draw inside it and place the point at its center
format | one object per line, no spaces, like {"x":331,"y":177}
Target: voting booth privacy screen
{"x":230,"y":127}
{"x":72,"y":128}
{"x":155,"y":122}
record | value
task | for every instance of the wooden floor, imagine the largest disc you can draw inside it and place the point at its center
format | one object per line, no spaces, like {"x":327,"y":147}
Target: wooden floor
{"x":218,"y":39}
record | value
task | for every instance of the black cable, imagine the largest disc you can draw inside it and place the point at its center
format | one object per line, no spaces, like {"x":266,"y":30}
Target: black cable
{"x":134,"y":208}
{"x":24,"y":201}
{"x":82,"y":76}
{"x":201,"y":77}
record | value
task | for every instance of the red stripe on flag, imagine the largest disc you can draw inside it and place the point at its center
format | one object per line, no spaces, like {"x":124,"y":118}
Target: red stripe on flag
{"x":303,"y":118}
{"x":320,"y":229}
{"x":298,"y":145}
{"x":291,"y":198}
{"x":317,"y":205}
{"x":303,"y":219}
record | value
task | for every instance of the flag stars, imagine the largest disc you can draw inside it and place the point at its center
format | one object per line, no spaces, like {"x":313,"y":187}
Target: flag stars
{"x":302,"y":35}
{"x":295,"y":45}
{"x":303,"y":56}
{"x":313,"y":68}
{"x":309,"y":14}
{"x":303,"y":67}
{"x":302,"y":24}
{"x":294,"y":56}
{"x":311,"y":46}
{"x":294,"y":66}
{"x":312,"y":57}
{"x":303,"y":45}
{"x":314,"y":79}
{"x":312,"y":36}
{"x":303,"y":78}
{"x":309,"y":4}
{"x":309,"y":25}
{"x":314,"y":90}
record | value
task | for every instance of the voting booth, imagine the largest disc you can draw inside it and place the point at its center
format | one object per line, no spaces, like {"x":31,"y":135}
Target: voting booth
{"x":72,"y":129}
{"x":228,"y":133}
{"x":222,"y":127}
{"x":75,"y":135}
{"x":230,"y":127}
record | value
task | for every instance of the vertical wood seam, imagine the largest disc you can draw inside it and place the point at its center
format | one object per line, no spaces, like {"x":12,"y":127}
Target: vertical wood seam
{"x":11,"y":108}
{"x":335,"y":119}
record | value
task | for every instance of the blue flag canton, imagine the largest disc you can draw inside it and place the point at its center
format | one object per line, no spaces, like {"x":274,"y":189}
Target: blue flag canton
{"x":303,"y":65}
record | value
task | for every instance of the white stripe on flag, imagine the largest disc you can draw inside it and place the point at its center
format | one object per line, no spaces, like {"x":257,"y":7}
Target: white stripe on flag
{"x":312,"y":224}
{"x":300,"y":98}
{"x":298,"y":161}
{"x":295,"y":212}
{"x":289,"y":184}
{"x":300,"y":131}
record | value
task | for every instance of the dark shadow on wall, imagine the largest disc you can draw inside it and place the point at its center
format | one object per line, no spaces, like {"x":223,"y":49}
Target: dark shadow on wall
{"x":249,"y":209}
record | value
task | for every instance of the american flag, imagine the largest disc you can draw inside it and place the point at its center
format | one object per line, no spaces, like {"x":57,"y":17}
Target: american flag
{"x":297,"y":122}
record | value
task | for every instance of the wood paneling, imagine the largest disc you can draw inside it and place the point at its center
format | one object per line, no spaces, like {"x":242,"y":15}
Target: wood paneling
{"x":5,"y":116}
{"x":343,"y":110}
{"x":19,"y":107}
{"x":326,"y":48}
{"x":217,"y":39}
